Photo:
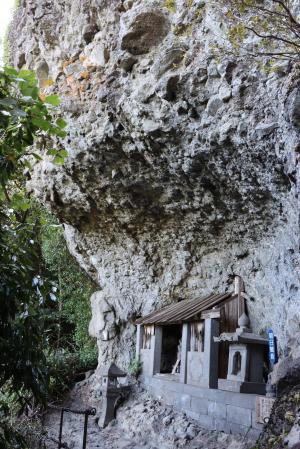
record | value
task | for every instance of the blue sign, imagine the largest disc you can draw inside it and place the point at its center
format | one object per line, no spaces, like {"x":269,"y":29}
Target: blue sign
{"x":272,"y":346}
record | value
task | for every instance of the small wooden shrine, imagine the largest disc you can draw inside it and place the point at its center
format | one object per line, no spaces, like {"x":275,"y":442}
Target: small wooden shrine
{"x":204,"y":342}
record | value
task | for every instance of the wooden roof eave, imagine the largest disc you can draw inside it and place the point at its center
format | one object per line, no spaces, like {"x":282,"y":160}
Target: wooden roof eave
{"x":185,"y":311}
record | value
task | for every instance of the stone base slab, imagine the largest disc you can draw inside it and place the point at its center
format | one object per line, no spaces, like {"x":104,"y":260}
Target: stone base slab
{"x":241,"y":387}
{"x":214,"y":409}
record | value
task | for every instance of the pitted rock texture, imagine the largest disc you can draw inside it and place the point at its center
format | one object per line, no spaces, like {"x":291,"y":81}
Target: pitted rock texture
{"x":182,"y":168}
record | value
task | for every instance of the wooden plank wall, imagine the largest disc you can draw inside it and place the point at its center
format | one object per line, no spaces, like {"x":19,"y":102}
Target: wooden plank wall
{"x":228,"y":323}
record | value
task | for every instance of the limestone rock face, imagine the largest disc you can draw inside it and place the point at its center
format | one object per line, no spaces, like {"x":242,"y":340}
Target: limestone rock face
{"x":144,"y":31}
{"x":182,"y":168}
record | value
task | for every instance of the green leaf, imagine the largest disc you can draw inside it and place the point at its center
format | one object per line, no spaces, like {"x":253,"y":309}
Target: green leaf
{"x":10,"y":71}
{"x":28,"y":76}
{"x":27,"y":99}
{"x":61,"y":123}
{"x":18,"y":112}
{"x":2,"y":195}
{"x":58,"y":160}
{"x":37,"y":157}
{"x":19,"y":202}
{"x":28,"y":91}
{"x":58,"y":132}
{"x":8,"y":101}
{"x":52,"y":152}
{"x":41,"y":123}
{"x":27,"y":164}
{"x":63,"y":153}
{"x":53,"y":99}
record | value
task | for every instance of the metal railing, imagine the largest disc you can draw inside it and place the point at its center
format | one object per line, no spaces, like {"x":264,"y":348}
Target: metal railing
{"x":62,"y":410}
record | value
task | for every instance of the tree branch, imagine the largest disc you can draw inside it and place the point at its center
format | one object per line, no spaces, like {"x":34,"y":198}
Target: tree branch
{"x":272,"y":37}
{"x":288,"y":11}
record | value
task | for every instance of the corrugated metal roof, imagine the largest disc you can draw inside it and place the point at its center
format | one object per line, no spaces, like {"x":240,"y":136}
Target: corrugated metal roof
{"x":184,"y":310}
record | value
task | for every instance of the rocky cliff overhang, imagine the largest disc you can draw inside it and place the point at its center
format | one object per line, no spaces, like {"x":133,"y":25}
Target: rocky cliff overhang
{"x":182,"y":167}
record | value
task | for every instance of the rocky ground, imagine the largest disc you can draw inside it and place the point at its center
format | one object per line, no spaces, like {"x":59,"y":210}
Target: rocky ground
{"x":141,"y":422}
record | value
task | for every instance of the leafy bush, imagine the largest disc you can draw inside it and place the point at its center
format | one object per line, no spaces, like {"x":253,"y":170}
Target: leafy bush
{"x":63,"y":366}
{"x":135,"y":367}
{"x":26,"y":118}
{"x":71,"y":295}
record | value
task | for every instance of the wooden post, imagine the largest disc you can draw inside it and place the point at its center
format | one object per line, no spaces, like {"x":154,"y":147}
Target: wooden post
{"x":239,"y":288}
{"x":139,"y":340}
{"x":86,"y":417}
{"x":211,"y":353}
{"x":156,"y":346}
{"x":185,"y":347}
{"x":60,"y":428}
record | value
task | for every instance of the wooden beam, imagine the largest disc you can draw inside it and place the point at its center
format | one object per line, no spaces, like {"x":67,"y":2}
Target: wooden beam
{"x":238,"y":289}
{"x":214,"y":313}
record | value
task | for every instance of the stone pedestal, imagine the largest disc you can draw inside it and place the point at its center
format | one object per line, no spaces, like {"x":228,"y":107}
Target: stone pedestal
{"x":108,"y":406}
{"x":245,"y":363}
{"x":111,"y":391}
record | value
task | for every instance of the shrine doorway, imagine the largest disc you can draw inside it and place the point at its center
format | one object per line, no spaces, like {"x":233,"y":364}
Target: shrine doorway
{"x":171,"y":349}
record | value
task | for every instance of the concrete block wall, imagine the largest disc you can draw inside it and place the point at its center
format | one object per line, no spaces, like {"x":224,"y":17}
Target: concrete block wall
{"x":213,"y":409}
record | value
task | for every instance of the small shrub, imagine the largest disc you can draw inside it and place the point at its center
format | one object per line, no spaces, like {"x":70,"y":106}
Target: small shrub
{"x":63,"y":367}
{"x":135,"y":367}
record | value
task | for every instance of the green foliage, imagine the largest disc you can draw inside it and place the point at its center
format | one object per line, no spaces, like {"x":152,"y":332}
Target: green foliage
{"x":268,"y":29}
{"x":27,"y":431}
{"x":63,"y":367}
{"x":25,"y":301}
{"x":22,"y":296}
{"x":73,"y":289}
{"x":24,"y":311}
{"x":44,"y":296}
{"x":135,"y":367}
{"x":46,"y":341}
{"x":170,"y":5}
{"x":26,"y":118}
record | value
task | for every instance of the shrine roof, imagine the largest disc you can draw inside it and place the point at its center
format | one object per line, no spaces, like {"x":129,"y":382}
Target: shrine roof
{"x":185,"y":310}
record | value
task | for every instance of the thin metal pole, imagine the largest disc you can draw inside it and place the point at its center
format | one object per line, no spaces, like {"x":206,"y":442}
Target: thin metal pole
{"x":60,"y":428}
{"x":86,"y":417}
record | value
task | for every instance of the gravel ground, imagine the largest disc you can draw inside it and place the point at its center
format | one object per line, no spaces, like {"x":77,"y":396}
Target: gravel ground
{"x":141,"y":422}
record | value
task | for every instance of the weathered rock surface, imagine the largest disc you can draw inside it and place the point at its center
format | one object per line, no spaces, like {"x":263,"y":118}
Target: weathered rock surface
{"x":182,"y":169}
{"x":141,"y":422}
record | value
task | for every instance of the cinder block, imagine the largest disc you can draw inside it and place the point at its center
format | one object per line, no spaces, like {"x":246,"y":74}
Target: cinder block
{"x":192,"y":415}
{"x":199,"y":405}
{"x":240,"y":400}
{"x":206,"y":421}
{"x":197,"y":392}
{"x":220,"y":424}
{"x":255,"y":424}
{"x":169,"y":397}
{"x":185,"y":401}
{"x":239,"y":415}
{"x":174,"y":386}
{"x":217,"y":410}
{"x":236,"y":429}
{"x":254,"y":433}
